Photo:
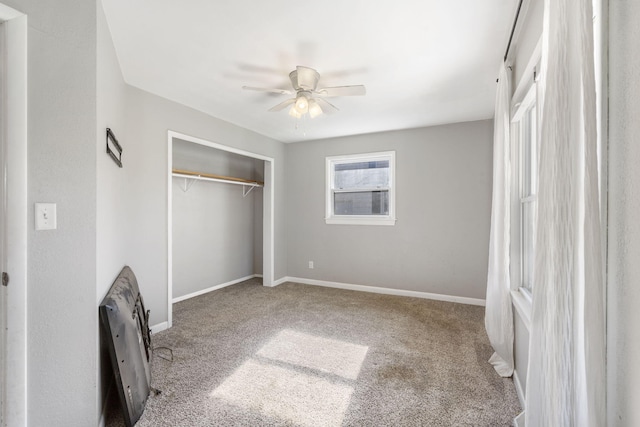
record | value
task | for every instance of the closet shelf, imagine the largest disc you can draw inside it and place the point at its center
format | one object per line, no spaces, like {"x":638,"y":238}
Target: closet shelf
{"x":201,"y":176}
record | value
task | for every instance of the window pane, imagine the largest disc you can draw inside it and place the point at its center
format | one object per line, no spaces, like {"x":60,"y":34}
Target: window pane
{"x":526,"y":156}
{"x":360,"y":189}
{"x":361,"y":175}
{"x":361,"y":203}
{"x":529,"y":153}
{"x":528,"y":242}
{"x":533,"y":137}
{"x":528,"y":182}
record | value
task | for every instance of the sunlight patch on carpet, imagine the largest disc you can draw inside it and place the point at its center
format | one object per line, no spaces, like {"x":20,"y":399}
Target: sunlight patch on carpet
{"x":300,"y":394}
{"x":322,"y":354}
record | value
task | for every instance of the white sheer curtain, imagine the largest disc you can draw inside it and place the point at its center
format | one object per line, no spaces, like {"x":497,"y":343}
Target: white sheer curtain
{"x":498,"y":316}
{"x":566,"y":379}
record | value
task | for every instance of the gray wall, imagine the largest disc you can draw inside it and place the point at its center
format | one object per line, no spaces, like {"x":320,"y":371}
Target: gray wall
{"x":440,"y":241}
{"x":623,"y":277}
{"x":213,"y":224}
{"x":149,"y":117}
{"x":112,"y":188}
{"x":62,"y":312}
{"x":112,"y":182}
{"x":200,"y":158}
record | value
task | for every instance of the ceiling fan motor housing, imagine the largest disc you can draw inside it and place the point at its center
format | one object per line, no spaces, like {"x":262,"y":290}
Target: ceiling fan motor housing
{"x":304,"y":78}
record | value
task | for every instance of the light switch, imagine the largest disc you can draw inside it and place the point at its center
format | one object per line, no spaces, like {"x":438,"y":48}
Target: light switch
{"x":46,"y":216}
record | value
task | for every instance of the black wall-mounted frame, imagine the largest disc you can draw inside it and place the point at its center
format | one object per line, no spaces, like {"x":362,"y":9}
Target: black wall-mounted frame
{"x":112,"y":147}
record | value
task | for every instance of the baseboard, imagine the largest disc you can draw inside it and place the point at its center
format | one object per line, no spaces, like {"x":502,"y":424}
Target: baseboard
{"x":386,"y":291}
{"x":280,"y":281}
{"x":519,"y":389}
{"x":213,"y":288}
{"x":159,"y":327}
{"x":519,"y":420}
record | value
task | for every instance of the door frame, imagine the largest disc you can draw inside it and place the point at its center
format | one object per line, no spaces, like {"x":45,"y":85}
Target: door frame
{"x":16,"y":214}
{"x":268,"y":206}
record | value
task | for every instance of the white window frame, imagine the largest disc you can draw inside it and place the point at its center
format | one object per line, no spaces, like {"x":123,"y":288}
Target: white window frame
{"x":389,"y":219}
{"x":521,"y":113}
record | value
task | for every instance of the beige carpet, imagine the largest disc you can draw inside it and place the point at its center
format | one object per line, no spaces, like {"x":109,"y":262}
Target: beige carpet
{"x":298,"y":355}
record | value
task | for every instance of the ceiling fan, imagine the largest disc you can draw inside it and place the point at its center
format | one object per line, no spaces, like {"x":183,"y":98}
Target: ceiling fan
{"x":308,"y":98}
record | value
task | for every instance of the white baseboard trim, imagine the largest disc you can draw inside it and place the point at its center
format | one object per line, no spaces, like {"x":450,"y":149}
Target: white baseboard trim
{"x":519,"y":389}
{"x":519,"y":420}
{"x":280,"y":281}
{"x":213,"y":288}
{"x":386,"y":291}
{"x":159,"y":327}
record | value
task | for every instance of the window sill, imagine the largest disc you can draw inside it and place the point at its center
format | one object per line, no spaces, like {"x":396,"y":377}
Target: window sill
{"x":360,"y":221}
{"x":522,"y":302}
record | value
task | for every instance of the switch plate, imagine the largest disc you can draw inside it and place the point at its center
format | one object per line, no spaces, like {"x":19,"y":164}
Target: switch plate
{"x":310,"y":264}
{"x":46,"y":216}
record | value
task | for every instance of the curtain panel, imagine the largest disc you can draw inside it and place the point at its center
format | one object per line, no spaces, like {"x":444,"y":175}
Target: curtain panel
{"x":566,"y":377}
{"x":498,"y":312}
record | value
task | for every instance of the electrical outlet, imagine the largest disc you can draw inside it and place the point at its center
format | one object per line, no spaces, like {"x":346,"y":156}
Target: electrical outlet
{"x":310,"y":264}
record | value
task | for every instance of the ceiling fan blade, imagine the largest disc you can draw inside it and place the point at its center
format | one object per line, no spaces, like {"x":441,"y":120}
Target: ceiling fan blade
{"x":262,"y":89}
{"x":356,"y":90}
{"x":283,"y":105}
{"x":326,"y":106}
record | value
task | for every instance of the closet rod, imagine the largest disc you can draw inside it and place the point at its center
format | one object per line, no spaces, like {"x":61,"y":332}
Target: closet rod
{"x":218,"y":178}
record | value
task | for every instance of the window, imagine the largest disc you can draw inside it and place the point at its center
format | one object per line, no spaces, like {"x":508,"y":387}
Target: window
{"x":527,"y":137}
{"x":360,"y":189}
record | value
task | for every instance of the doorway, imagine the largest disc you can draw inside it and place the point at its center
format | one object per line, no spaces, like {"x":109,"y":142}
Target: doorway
{"x":267,"y":202}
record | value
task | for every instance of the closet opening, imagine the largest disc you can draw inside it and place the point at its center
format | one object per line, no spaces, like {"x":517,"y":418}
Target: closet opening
{"x":220,"y":217}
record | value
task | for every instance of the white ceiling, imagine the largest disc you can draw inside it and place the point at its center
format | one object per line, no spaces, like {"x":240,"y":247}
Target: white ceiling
{"x":423,"y":62}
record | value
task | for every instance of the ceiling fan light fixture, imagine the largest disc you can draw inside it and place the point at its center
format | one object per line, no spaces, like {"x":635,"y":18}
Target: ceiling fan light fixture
{"x":314,"y":109}
{"x":308,"y":98}
{"x":293,"y":112}
{"x":302,"y":104}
